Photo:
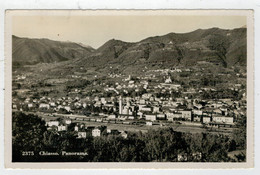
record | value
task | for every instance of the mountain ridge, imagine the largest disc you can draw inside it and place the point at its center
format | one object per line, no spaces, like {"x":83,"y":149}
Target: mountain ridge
{"x":226,"y":47}
{"x":32,"y":51}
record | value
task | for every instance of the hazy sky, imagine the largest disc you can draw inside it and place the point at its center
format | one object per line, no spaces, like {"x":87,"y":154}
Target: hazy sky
{"x":96,"y":30}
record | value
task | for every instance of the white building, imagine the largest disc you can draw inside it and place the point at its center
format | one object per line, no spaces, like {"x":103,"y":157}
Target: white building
{"x":150,"y":117}
{"x":96,"y":132}
{"x":111,"y":116}
{"x":168,"y":80}
{"x":149,"y":123}
{"x":197,"y":112}
{"x":43,"y":105}
{"x":68,"y":121}
{"x":67,"y":108}
{"x":206,"y":119}
{"x":52,"y":123}
{"x":186,"y":114}
{"x":223,"y":119}
{"x":62,"y":128}
{"x":82,"y":135}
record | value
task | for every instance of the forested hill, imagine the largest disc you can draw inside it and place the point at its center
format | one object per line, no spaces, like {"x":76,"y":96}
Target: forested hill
{"x":224,"y":47}
{"x":32,"y":51}
{"x":218,"y":46}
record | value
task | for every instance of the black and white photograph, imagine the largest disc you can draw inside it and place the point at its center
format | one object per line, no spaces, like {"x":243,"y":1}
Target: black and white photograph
{"x":145,"y":86}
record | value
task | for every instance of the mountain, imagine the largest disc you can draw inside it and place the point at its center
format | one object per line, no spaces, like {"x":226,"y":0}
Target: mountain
{"x":217,"y":46}
{"x":32,"y":51}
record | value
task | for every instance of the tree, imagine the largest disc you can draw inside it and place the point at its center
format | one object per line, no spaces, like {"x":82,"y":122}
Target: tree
{"x":239,"y":133}
{"x":180,"y":52}
{"x":27,"y":132}
{"x":220,"y":45}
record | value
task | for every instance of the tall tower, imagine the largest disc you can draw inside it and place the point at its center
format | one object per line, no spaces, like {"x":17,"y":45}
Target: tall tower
{"x":120,"y":105}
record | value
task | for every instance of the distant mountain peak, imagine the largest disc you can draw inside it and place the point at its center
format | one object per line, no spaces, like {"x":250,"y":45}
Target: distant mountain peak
{"x":86,"y":46}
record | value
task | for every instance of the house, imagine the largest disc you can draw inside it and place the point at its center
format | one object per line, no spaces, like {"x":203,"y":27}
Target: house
{"x":123,"y":134}
{"x":96,"y":98}
{"x":146,"y":96}
{"x":103,"y":100}
{"x":62,"y":128}
{"x":156,"y":109}
{"x":52,"y":123}
{"x":131,"y":82}
{"x":127,"y":110}
{"x":229,"y":120}
{"x":52,"y":104}
{"x":96,"y":132}
{"x":131,"y":117}
{"x":30,"y":105}
{"x":180,"y":100}
{"x":218,"y":118}
{"x":44,"y":106}
{"x":161,"y":116}
{"x":82,"y":134}
{"x":122,"y":117}
{"x":142,"y":101}
{"x":170,"y":86}
{"x":98,"y":104}
{"x":67,"y":108}
{"x":217,"y":111}
{"x":168,"y":80}
{"x":206,"y":119}
{"x":196,"y":118}
{"x":197,"y":112}
{"x":99,"y":120}
{"x":222,"y":119}
{"x":169,"y":116}
{"x":140,"y":114}
{"x":177,"y":115}
{"x":150,"y":117}
{"x":149,"y":123}
{"x":67,"y":121}
{"x":186,"y":114}
{"x":111,"y":116}
{"x":145,"y":108}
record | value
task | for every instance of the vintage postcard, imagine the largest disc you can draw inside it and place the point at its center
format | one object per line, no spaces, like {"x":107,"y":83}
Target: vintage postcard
{"x":129,"y":89}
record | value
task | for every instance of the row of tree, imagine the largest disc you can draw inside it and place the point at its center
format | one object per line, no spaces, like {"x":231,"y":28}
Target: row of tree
{"x":30,"y":134}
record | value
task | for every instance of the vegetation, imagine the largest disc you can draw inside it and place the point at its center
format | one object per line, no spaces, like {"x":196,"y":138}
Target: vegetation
{"x":30,"y":134}
{"x":220,"y":45}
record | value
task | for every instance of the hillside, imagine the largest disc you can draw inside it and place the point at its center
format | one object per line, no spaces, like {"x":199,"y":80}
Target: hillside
{"x":32,"y":51}
{"x":217,"y":46}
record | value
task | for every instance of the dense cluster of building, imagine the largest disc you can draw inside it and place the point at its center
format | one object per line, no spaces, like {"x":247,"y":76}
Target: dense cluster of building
{"x":146,"y":107}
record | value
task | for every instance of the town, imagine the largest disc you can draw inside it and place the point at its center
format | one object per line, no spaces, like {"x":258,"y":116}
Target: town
{"x":124,"y":102}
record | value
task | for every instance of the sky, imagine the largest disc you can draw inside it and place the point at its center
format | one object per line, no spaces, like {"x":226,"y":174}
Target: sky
{"x":96,"y":30}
